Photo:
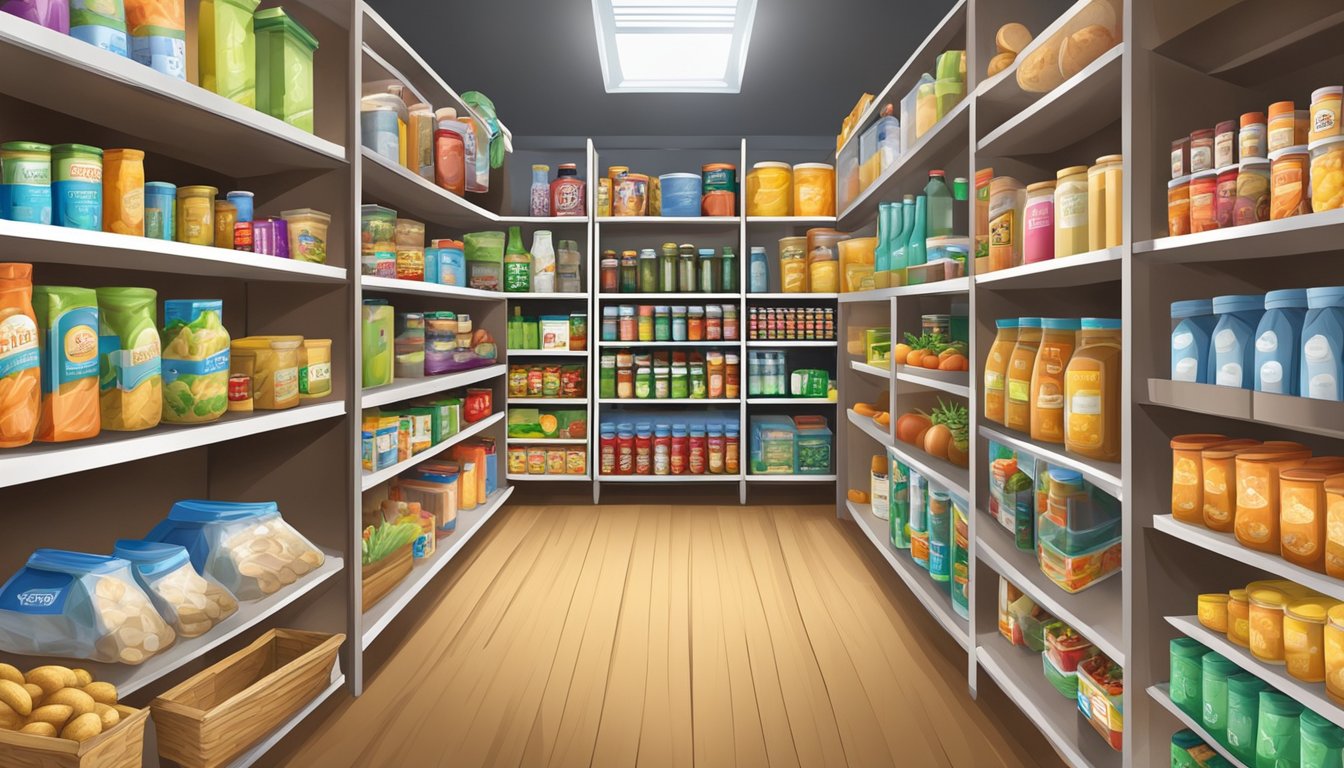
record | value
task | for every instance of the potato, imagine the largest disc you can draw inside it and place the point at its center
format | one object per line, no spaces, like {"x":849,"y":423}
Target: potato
{"x":11,"y":673}
{"x":83,"y":728}
{"x":16,"y":697}
{"x":82,"y":677}
{"x":39,"y":729}
{"x":81,"y":702}
{"x":56,"y":714}
{"x":109,"y":715}
{"x":1012,"y":38}
{"x":35,"y":691}
{"x":1000,"y":62}
{"x":102,"y":693}
{"x":52,"y":678}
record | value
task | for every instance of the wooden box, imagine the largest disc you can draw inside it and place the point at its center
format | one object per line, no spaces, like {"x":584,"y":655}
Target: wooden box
{"x":121,"y":747}
{"x":214,"y":716}
{"x":380,"y":577}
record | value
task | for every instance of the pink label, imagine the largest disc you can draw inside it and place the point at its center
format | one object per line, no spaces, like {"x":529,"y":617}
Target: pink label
{"x":1038,"y":241}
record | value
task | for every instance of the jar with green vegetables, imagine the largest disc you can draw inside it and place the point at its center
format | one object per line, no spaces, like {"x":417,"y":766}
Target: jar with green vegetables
{"x":648,"y":270}
{"x":680,"y":385}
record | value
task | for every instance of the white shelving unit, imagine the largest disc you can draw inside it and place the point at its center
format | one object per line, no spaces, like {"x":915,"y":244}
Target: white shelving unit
{"x":370,"y":480}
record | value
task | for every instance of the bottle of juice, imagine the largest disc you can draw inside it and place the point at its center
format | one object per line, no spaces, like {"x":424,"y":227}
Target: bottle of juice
{"x":915,"y":250}
{"x":939,"y":205}
{"x":517,"y":264}
{"x":1017,"y":403}
{"x":1092,"y":391}
{"x":905,"y":212}
{"x":996,"y":368}
{"x":1058,"y":338}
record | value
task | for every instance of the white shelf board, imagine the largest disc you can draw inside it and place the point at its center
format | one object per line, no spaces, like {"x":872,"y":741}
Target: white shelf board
{"x":251,"y":613}
{"x":545,"y":441}
{"x":550,"y":478}
{"x":1103,"y":474}
{"x":669,"y":298}
{"x":1293,"y":236}
{"x":1310,"y":695}
{"x":944,"y":141}
{"x":370,"y":479}
{"x":937,"y":287}
{"x":374,"y":284}
{"x":1161,"y":693}
{"x":797,"y":221}
{"x":1019,"y":673}
{"x":1226,"y":544}
{"x":1076,"y":108}
{"x":406,"y":389}
{"x":39,"y":461}
{"x":550,"y":221}
{"x":1082,"y":269}
{"x":792,"y":296}
{"x":469,"y":522}
{"x":551,"y":296}
{"x":1097,"y":612}
{"x":47,"y":244}
{"x":952,"y":382}
{"x":1304,"y":414}
{"x":791,"y":344}
{"x":790,"y":401}
{"x":951,"y":478}
{"x":871,"y":370}
{"x":791,"y":478}
{"x":655,"y":222}
{"x":706,"y":478}
{"x":869,"y":427}
{"x":167,"y":116}
{"x":548,"y":353}
{"x":656,"y":344}
{"x":257,"y":751}
{"x":669,"y":401}
{"x":414,"y":196}
{"x":546,"y":401}
{"x":935,"y":597}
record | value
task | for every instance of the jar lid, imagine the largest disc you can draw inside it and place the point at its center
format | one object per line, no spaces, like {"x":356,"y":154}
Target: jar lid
{"x":161,"y":186}
{"x":1225,"y":126}
{"x":1061,"y":323}
{"x":1101,"y":324}
{"x":1238,"y":303}
{"x":197,"y":190}
{"x":1214,"y":597}
{"x":1006,"y":322}
{"x":1321,"y":298}
{"x":1065,"y":476}
{"x":1236,"y":595}
{"x":1336,"y":615}
{"x":771,"y":164}
{"x":718,"y":167}
{"x":665,"y":176}
{"x":25,"y":146}
{"x":135,"y":154}
{"x":1204,"y":175}
{"x":1178,"y":181}
{"x":1286,"y":298}
{"x":1028,"y":322}
{"x":814,"y":167}
{"x":1279,"y":108}
{"x":1313,"y":609}
{"x":1251,"y":118}
{"x":1197,"y":440}
{"x":79,"y":149}
{"x":1040,"y":185}
{"x":1268,"y":597}
{"x":1072,"y":170}
{"x":1233,"y":168}
{"x":1108,"y":159}
{"x":1191,"y":308}
{"x":1327,"y":90}
{"x":1186,"y":646}
{"x":1296,"y":149}
{"x":1203,"y":133}
{"x":1247,"y":162}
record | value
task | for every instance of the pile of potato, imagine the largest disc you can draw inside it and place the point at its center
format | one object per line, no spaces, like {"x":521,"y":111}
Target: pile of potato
{"x":56,"y":702}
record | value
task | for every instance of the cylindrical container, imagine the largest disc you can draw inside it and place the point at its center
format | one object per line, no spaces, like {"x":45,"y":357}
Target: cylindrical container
{"x":648,"y":271}
{"x":1070,"y":211}
{"x":226,"y":215}
{"x":450,"y":170}
{"x":1185,"y":656}
{"x":196,"y":215}
{"x":1266,"y":616}
{"x":1288,"y":182}
{"x":1007,"y":201}
{"x":1281,"y":126}
{"x":1216,"y":671}
{"x":1218,"y":478}
{"x":1058,"y":339}
{"x":1204,"y":201}
{"x":1213,"y":611}
{"x":243,"y":204}
{"x":1327,"y":174}
{"x":1225,"y":195}
{"x":1187,"y":482}
{"x":644,"y":324}
{"x":1252,"y":203}
{"x":1239,"y":617}
{"x":380,"y":125}
{"x":25,"y":181}
{"x":1251,"y":138}
{"x":1256,"y":523}
{"x":1304,"y":637}
{"x":680,"y":194}
{"x":1038,"y":239}
{"x":718,"y":182}
{"x":1334,"y":654}
{"x":630,"y":195}
{"x":1302,"y":512}
{"x":793,"y":265}
{"x":813,"y":189}
{"x":1180,"y":157}
{"x":1224,"y":144}
{"x":1322,"y":741}
{"x":77,"y":186}
{"x":769,"y":189}
{"x":1324,"y":120}
{"x":1201,"y":150}
{"x":1334,"y":527}
{"x":1102,"y":202}
{"x":1178,"y":206}
{"x":1092,"y":386}
{"x":160,"y":210}
{"x":823,"y":254}
{"x":1115,"y":199}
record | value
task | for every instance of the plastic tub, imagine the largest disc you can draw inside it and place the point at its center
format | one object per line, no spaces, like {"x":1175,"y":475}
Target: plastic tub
{"x":769,"y":189}
{"x":1333,"y":641}
{"x":1066,"y":649}
{"x":227,"y":56}
{"x":1213,"y":713}
{"x":1322,"y":741}
{"x":1334,"y":526}
{"x":1289,"y":182}
{"x":1278,"y":732}
{"x":1243,"y":715}
{"x":1218,"y":490}
{"x":1213,"y":611}
{"x":378,"y":254}
{"x":307,"y":234}
{"x":1302,"y":514}
{"x":813,"y":190}
{"x":1064,"y":682}
{"x":379,"y":116}
{"x":1256,"y":521}
{"x":1101,"y":690}
{"x":1304,"y":637}
{"x":1080,"y":545}
{"x":680,"y":194}
{"x":1322,"y":372}
{"x":1266,"y":638}
{"x":284,"y":68}
{"x":271,"y":364}
{"x":1034,"y":628}
{"x":1187,"y":675}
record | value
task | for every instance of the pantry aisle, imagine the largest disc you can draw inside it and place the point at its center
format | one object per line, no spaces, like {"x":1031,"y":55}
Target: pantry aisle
{"x":661,"y":636}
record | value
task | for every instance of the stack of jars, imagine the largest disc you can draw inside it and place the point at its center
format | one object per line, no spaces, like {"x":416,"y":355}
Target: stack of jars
{"x":626,"y":375}
{"x":670,"y":269}
{"x":660,"y":322}
{"x":669,"y":448}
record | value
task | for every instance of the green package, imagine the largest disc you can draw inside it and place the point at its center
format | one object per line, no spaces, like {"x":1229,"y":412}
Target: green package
{"x":1187,"y":674}
{"x":525,"y":422}
{"x":1217,"y":669}
{"x":195,"y":355}
{"x":445,"y":413}
{"x":1188,"y":750}
{"x":376,"y":333}
{"x":129,"y":381}
{"x":1322,"y":742}
{"x":1243,"y":715}
{"x":898,"y":494}
{"x":1278,"y":733}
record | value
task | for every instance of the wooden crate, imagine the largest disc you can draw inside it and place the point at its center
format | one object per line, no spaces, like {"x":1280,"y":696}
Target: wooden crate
{"x":381,"y":577}
{"x":121,"y":747}
{"x":214,"y":716}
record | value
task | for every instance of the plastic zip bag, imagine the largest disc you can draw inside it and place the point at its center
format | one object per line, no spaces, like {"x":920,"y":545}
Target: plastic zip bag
{"x":191,"y":603}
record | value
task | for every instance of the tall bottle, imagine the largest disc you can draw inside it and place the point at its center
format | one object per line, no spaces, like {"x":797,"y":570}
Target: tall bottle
{"x":728,"y":268}
{"x":939,"y":206}
{"x":916,"y":252}
{"x":543,"y":262}
{"x":539,"y":196}
{"x":882,"y":255}
{"x":517,"y":264}
{"x":900,"y":257}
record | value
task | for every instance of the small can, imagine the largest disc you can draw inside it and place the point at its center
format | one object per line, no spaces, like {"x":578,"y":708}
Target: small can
{"x":240,"y":392}
{"x":77,"y":186}
{"x":243,"y":202}
{"x":160,"y":210}
{"x":243,"y":237}
{"x":25,"y":182}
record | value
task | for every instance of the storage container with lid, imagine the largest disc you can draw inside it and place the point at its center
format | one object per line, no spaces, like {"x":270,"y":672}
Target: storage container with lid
{"x":1327,"y":174}
{"x":1212,"y":611}
{"x":1322,"y":741}
{"x":1178,"y":206}
{"x":769,"y":189}
{"x":1324,"y":120}
{"x":1066,"y":648}
{"x":1201,"y":150}
{"x":1203,"y":201}
{"x":1187,"y":482}
{"x":1078,"y":539}
{"x":1186,"y":684}
{"x":1218,"y":472}
{"x":285,"y":68}
{"x":1038,"y":239}
{"x":1224,"y":144}
{"x":379,"y":116}
{"x":1238,"y":617}
{"x":1302,"y":513}
{"x":813,"y":190}
{"x":1066,"y":683}
{"x":1007,"y":204}
{"x":1334,"y":526}
{"x":1252,"y":204}
{"x":1193,"y":322}
{"x":227,"y":49}
{"x":1232,"y":346}
{"x":1070,"y":211}
{"x":1266,"y":616}
{"x":1304,"y":637}
{"x":1278,"y":341}
{"x":1243,"y":715}
{"x":1289,"y":182}
{"x":1017,"y":377}
{"x":1278,"y":732}
{"x":1334,"y":654}
{"x":1256,"y":524}
{"x":1322,"y":371}
{"x":1281,"y":126}
{"x":1092,"y":391}
{"x":1225,"y":195}
{"x":1101,"y":695}
{"x":1251,"y":137}
{"x":1059,"y":337}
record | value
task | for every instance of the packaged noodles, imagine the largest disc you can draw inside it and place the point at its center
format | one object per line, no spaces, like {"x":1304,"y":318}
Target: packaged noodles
{"x":67,"y":324}
{"x":195,"y":361}
{"x":20,"y":374}
{"x":130,"y":385}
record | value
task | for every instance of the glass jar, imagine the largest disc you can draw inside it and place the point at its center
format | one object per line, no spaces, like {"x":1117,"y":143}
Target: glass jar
{"x":662,"y":450}
{"x":1038,"y":237}
{"x":1017,"y":377}
{"x":662,"y":323}
{"x":996,"y":368}
{"x":1334,"y":654}
{"x":728,"y":271}
{"x":680,"y":449}
{"x":730,"y":447}
{"x":606,"y":376}
{"x":1070,"y":211}
{"x":648,"y":271}
{"x":1225,"y":195}
{"x":1007,"y":201}
{"x":662,"y":382}
{"x":714,"y":370}
{"x":610,"y":324}
{"x":1304,"y":637}
{"x":644,"y":322}
{"x":643,"y":450}
{"x":1213,"y":611}
{"x":714,"y":449}
{"x":1204,"y":201}
{"x":1251,"y":137}
{"x":695,"y":324}
{"x":667,"y":268}
{"x":1092,"y":385}
{"x":699,"y":387}
{"x":1324,"y":115}
{"x":628,"y":329}
{"x":1059,"y":336}
{"x":629,"y":272}
{"x":625,"y":383}
{"x":1201,"y":150}
{"x":714,"y":322}
{"x":643,"y":383}
{"x":1252,"y":192}
{"x":769,"y":189}
{"x":1178,"y":206}
{"x":730,"y":326}
{"x":680,"y":385}
{"x":679,"y":330}
{"x":195,"y":214}
{"x":1180,"y":157}
{"x":686,"y":269}
{"x":1105,"y":207}
{"x":709,"y":271}
{"x":1327,"y":174}
{"x":732,"y":377}
{"x":793,"y":265}
{"x":697,"y":449}
{"x":1224,"y":144}
{"x":1288,"y":180}
{"x":1282,"y":126}
{"x":610,"y":272}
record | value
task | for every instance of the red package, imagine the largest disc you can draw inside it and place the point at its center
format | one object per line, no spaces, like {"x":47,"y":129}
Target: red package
{"x":477,"y":405}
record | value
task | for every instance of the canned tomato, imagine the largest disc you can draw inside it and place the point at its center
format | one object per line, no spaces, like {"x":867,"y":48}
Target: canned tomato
{"x":25,"y":182}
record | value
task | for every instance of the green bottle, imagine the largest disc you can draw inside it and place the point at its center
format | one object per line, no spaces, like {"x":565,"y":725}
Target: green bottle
{"x":517,"y":264}
{"x":901,"y":238}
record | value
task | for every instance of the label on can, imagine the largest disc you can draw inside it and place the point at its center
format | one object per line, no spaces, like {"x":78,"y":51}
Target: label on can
{"x":77,"y":193}
{"x":25,"y":189}
{"x":718,"y":180}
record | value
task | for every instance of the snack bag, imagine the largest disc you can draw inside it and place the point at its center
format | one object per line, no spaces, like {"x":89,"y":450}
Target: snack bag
{"x":192,"y":604}
{"x":20,"y":371}
{"x":130,"y":385}
{"x":80,"y":606}
{"x":158,"y":30}
{"x":67,"y":324}
{"x":245,"y":546}
{"x":195,"y":361}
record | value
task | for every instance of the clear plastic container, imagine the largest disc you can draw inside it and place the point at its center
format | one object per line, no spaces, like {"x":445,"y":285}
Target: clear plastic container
{"x":1327,"y":173}
{"x":1007,"y":204}
{"x":1092,"y":391}
{"x":227,"y":57}
{"x":1304,"y":637}
{"x":284,"y":68}
{"x":307,"y":234}
{"x":379,"y":122}
{"x":1078,"y":541}
{"x":1070,"y":211}
{"x":814,"y":189}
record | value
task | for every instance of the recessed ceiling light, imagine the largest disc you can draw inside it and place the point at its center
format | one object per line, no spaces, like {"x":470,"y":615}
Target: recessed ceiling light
{"x":673,"y":46}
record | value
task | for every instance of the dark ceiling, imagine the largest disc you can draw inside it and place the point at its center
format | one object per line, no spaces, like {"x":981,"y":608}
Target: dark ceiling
{"x":537,"y":60}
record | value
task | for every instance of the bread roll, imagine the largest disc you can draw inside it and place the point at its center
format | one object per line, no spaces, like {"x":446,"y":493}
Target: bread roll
{"x":1038,"y":72}
{"x":1000,"y":62}
{"x":1012,"y":38}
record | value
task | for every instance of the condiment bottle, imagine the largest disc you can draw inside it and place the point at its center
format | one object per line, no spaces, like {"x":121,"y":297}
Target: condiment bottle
{"x":1092,"y":391}
{"x":568,"y":192}
{"x":1017,"y":404}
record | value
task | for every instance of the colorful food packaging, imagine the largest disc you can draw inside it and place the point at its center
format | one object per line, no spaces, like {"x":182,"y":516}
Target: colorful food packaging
{"x":20,"y":372}
{"x":129,"y":383}
{"x":67,"y":324}
{"x":158,"y":31}
{"x":195,"y":361}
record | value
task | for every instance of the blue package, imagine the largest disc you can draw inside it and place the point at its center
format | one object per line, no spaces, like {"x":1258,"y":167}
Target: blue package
{"x":1278,"y":341}
{"x":1233,"y":342}
{"x":1322,"y":374}
{"x":1190,"y":350}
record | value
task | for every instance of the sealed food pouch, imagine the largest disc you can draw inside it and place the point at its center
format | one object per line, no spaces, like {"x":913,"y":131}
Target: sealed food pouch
{"x":67,"y":325}
{"x":80,"y":606}
{"x":195,"y":361}
{"x":158,"y":30}
{"x":191,"y":603}
{"x":20,"y":360}
{"x":245,"y":546}
{"x":129,"y":383}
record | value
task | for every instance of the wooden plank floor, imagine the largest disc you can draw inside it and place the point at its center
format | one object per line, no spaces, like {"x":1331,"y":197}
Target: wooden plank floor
{"x":659,"y":636}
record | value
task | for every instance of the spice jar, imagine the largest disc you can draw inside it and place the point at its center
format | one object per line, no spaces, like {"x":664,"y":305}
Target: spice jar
{"x":1038,"y":237}
{"x":1288,"y":183}
{"x":1282,"y":124}
{"x":1327,"y":174}
{"x":1324,"y":120}
{"x":1251,"y":137}
{"x":1225,"y":195}
{"x":1224,"y":144}
{"x":1203,"y":201}
{"x":1178,"y":206}
{"x":1180,"y":157}
{"x":1238,"y":617}
{"x":1252,"y":192}
{"x":1201,"y":150}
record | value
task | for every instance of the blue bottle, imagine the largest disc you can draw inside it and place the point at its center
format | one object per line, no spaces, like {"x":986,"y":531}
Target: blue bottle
{"x":1278,"y":341}
{"x":1322,"y":373}
{"x":1233,"y":344}
{"x":1194,"y":323}
{"x":759,"y":271}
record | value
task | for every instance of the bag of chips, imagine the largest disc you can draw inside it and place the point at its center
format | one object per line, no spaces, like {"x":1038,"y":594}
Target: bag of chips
{"x":130,"y":385}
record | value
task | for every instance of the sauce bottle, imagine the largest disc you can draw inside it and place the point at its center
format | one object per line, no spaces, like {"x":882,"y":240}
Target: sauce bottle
{"x":996,"y":368}
{"x":517,"y":264}
{"x":1092,"y":392}
{"x":1058,"y":337}
{"x":568,"y":192}
{"x":1017,"y":403}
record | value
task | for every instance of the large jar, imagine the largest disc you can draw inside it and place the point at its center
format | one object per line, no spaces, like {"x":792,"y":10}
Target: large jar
{"x":1304,"y":637}
{"x":1266,"y":616}
{"x":1038,"y":237}
{"x":823,"y":258}
{"x":1218,"y":473}
{"x":1007,"y":203}
{"x":1204,"y":201}
{"x":813,"y":189}
{"x":1017,"y":403}
{"x":1327,"y":174}
{"x":1288,"y":182}
{"x":1058,"y":338}
{"x":1105,"y":209}
{"x":996,"y":368}
{"x":1334,"y":654}
{"x":793,"y":265}
{"x":1256,"y":524}
{"x":1334,"y":528}
{"x":1324,"y":120}
{"x":1302,"y":513}
{"x":1071,"y":211}
{"x":769,"y":189}
{"x":1252,"y":203}
{"x":1187,"y":485}
{"x":196,"y":215}
{"x":1092,"y":391}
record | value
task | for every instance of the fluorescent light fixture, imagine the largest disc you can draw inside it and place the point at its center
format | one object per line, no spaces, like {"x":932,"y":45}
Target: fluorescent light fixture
{"x":673,"y":46}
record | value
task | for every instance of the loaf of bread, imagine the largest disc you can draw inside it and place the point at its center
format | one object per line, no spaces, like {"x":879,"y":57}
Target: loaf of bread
{"x":1082,"y":48}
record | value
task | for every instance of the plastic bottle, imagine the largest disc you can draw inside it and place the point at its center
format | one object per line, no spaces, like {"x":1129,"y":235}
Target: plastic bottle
{"x":517,"y":264}
{"x":543,"y":262}
{"x":939,"y":206}
{"x":625,"y":450}
{"x":539,"y":197}
{"x":728,"y":270}
{"x":697,"y":450}
{"x":731,"y":465}
{"x":882,"y":255}
{"x":607,"y":450}
{"x":662,"y":449}
{"x":1322,"y":369}
{"x":915,"y":253}
{"x":714,"y":449}
{"x":680,"y":450}
{"x":759,"y":281}
{"x":900,"y":243}
{"x":643,"y":450}
{"x":709,"y":277}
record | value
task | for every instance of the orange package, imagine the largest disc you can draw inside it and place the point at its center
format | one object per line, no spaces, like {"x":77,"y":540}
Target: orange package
{"x":20,"y":377}
{"x":67,"y":324}
{"x":124,"y":191}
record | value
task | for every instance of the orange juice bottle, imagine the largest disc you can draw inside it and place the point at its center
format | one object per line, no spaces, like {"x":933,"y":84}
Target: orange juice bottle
{"x":996,"y":367}
{"x":1186,"y":487}
{"x":20,"y":382}
{"x":1092,"y":391}
{"x":1218,"y":466}
{"x":1017,"y":404}
{"x":1058,"y":338}
{"x":1257,"y":517}
{"x":1302,"y":510}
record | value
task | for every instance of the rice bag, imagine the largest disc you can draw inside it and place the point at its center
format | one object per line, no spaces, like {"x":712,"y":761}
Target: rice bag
{"x":67,"y":324}
{"x":129,"y":383}
{"x":80,"y":606}
{"x":192,"y":604}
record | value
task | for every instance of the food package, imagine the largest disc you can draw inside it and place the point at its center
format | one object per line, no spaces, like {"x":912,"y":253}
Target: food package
{"x":376,"y":336}
{"x":129,"y":383}
{"x":485,"y":259}
{"x":437,"y":496}
{"x":195,"y":361}
{"x":20,"y":371}
{"x":158,"y":30}
{"x":245,"y":546}
{"x":271,"y":365}
{"x":191,"y":604}
{"x":80,"y":606}
{"x":67,"y":325}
